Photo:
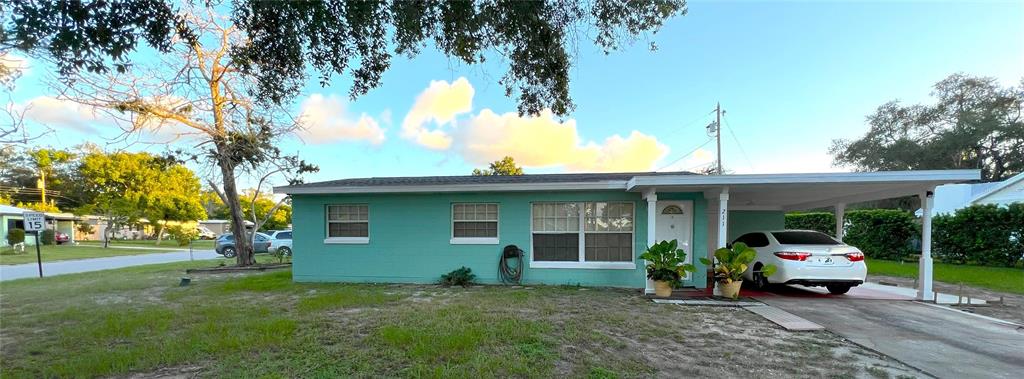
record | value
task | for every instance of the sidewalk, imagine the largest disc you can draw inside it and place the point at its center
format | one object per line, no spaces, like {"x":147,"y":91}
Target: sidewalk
{"x":30,"y":270}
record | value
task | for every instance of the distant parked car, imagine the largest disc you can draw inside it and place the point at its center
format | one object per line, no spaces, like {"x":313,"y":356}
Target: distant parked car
{"x":225,"y":245}
{"x":204,"y":233}
{"x":61,"y":238}
{"x":805,"y":257}
{"x":281,"y":240}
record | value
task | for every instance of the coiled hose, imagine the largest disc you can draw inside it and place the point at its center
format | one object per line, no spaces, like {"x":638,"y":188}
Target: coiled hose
{"x":510,"y":266}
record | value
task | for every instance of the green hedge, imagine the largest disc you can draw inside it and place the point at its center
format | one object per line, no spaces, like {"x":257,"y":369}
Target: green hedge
{"x":15,"y":236}
{"x":48,"y":236}
{"x":821,"y":221}
{"x":980,"y":234}
{"x":882,"y":233}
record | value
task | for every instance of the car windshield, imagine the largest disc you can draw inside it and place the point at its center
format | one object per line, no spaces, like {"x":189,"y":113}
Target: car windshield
{"x":804,"y":238}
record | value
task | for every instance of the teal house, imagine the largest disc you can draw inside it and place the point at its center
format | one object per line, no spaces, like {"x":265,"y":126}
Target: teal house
{"x":577,"y":229}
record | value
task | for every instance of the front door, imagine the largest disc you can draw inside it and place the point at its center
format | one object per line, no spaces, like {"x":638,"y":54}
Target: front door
{"x":674,"y":221}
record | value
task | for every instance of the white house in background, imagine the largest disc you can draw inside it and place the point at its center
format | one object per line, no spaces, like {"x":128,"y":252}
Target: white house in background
{"x":950,"y":197}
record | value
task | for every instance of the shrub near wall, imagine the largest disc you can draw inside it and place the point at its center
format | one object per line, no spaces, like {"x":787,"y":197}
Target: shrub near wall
{"x":881,"y":233}
{"x":821,"y":221}
{"x":980,"y":234}
{"x":15,"y":236}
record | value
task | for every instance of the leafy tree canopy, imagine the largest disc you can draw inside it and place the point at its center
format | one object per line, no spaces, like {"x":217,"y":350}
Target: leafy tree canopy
{"x":505,"y":166}
{"x":354,"y":37}
{"x":974,"y":124}
{"x":281,"y":218}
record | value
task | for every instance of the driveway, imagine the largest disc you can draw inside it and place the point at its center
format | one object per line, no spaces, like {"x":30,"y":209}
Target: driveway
{"x":941,"y":342}
{"x":30,"y":270}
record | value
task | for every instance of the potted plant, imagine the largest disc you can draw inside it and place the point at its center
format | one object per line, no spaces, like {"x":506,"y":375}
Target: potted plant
{"x":666,"y":265}
{"x":731,"y":263}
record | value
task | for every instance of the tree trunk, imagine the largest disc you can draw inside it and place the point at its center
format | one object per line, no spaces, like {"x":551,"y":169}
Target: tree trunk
{"x":242,"y":245}
{"x":106,"y":239}
{"x":159,"y":233}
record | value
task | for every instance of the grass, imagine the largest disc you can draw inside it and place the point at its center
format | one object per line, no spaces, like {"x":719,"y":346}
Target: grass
{"x":169,"y":244}
{"x":137,"y":321}
{"x":1005,"y":279}
{"x":52,"y":253}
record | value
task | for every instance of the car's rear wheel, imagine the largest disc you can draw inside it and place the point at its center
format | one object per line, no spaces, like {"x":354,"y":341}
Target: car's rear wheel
{"x":760,"y":281}
{"x":285,"y":251}
{"x":229,"y":252}
{"x":837,"y":289}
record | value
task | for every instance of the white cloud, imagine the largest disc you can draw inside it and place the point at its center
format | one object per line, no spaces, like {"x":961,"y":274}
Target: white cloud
{"x":14,"y":62}
{"x":543,"y":141}
{"x":325,"y":120}
{"x":59,"y":113}
{"x":440,"y":103}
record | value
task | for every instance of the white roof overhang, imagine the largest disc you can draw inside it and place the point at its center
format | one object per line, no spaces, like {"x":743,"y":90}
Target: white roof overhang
{"x":803,"y":191}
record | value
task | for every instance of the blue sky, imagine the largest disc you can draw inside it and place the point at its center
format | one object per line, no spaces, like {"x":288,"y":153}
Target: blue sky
{"x":792,"y":76}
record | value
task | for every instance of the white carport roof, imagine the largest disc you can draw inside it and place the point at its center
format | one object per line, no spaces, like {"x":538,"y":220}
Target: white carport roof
{"x":803,"y":191}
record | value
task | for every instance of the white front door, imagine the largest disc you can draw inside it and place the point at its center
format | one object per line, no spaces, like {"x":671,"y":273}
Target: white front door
{"x":674,"y":221}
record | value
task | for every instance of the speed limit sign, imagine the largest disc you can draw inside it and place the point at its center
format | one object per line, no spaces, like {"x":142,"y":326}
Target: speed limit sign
{"x":34,"y":221}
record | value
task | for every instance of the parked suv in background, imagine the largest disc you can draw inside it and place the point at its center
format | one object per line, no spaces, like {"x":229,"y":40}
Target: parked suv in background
{"x":281,"y":240}
{"x":225,"y":245}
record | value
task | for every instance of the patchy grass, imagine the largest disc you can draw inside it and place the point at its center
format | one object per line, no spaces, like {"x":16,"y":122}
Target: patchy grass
{"x":1005,"y":279}
{"x":168,"y":244}
{"x":137,"y":321}
{"x":52,"y":253}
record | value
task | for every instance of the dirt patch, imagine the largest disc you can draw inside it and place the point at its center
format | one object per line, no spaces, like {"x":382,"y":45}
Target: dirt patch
{"x":179,"y":372}
{"x":1011,"y":310}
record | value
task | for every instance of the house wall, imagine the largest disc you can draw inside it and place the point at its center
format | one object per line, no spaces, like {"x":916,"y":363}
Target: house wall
{"x":410,"y":239}
{"x":1013,"y":193}
{"x":742,"y":222}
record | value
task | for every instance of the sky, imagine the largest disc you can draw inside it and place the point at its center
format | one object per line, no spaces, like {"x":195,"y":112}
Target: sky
{"x":791,"y":77}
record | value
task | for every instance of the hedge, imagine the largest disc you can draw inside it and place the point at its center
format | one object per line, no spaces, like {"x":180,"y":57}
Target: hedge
{"x":15,"y":236}
{"x":882,"y":233}
{"x":48,"y":237}
{"x":980,"y":234}
{"x":821,"y":221}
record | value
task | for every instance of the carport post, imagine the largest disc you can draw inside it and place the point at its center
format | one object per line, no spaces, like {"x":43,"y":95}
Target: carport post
{"x":652,"y":217}
{"x":840,"y":220}
{"x":723,"y":229}
{"x":924,"y":275}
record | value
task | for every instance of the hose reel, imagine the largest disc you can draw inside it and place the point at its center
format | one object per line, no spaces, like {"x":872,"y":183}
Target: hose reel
{"x":510,"y":265}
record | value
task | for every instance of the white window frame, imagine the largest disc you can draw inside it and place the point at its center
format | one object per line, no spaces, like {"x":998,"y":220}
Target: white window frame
{"x":345,"y":240}
{"x":582,"y":262}
{"x":475,"y":240}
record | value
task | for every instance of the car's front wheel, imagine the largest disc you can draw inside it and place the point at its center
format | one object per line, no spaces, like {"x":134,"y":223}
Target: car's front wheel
{"x":229,"y":252}
{"x":284,"y":250}
{"x":760,"y":281}
{"x":837,"y":289}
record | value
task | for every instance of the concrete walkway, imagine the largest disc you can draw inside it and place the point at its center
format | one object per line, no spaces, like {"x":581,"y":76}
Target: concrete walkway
{"x":30,"y":270}
{"x":941,"y":342}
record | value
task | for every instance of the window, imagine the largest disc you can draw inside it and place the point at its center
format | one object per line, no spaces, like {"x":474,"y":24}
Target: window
{"x":583,"y":235}
{"x":348,"y":223}
{"x":753,"y":240}
{"x":474,"y":223}
{"x":804,"y":238}
{"x":283,"y":236}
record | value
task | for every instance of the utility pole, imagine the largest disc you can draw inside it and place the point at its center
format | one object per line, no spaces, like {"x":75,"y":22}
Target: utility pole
{"x":718,"y":134}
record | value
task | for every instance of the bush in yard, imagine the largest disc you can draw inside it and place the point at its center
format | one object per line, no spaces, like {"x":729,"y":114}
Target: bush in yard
{"x":881,"y":233}
{"x":821,"y":221}
{"x":182,"y":234}
{"x":462,"y":276}
{"x":15,"y":236}
{"x":980,"y":234}
{"x":48,"y":236}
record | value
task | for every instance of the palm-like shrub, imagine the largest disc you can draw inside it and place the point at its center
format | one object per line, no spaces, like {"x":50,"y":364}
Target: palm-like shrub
{"x":732,"y":262}
{"x":666,"y":262}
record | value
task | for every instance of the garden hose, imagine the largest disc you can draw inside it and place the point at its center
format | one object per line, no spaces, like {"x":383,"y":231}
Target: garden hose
{"x":511,"y":273}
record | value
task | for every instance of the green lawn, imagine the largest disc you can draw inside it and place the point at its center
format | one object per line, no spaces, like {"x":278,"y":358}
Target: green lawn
{"x":169,"y":244}
{"x":138,"y":322}
{"x":64,"y":252}
{"x":1004,"y":279}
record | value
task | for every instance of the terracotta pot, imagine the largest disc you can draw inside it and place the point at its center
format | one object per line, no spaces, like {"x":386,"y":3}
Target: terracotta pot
{"x":662,"y":288}
{"x":731,"y":290}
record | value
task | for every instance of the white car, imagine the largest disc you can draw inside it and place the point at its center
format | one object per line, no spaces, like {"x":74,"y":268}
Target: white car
{"x":281,"y":240}
{"x":805,"y":257}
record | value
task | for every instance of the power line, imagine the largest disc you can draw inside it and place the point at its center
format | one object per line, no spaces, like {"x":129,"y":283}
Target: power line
{"x":742,"y":151}
{"x":687,"y":154}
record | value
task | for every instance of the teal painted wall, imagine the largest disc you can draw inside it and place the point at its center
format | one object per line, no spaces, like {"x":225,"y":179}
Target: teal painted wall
{"x":410,"y":239}
{"x":742,"y":222}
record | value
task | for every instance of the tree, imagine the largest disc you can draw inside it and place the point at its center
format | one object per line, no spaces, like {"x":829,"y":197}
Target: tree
{"x":175,"y":198}
{"x":974,"y":124}
{"x":266,"y":49}
{"x":272,"y":215}
{"x":505,"y":166}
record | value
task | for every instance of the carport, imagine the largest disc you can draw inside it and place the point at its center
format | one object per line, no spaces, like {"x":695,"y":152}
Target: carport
{"x":777,"y":193}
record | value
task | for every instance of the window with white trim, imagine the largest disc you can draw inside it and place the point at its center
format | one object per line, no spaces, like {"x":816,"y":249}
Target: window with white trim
{"x":583,"y":232}
{"x":474,"y":223}
{"x":348,"y":221}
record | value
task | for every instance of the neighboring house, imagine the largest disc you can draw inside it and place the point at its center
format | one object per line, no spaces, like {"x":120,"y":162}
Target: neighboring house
{"x":586,"y":229}
{"x":951,"y":197}
{"x":223,"y":226}
{"x":10,"y":218}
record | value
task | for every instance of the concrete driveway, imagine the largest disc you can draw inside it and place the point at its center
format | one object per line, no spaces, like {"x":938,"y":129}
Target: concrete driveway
{"x":941,"y":342}
{"x":30,"y":270}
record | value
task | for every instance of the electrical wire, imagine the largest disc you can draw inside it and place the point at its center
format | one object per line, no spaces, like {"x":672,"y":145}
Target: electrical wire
{"x":742,"y":151}
{"x":687,"y":154}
